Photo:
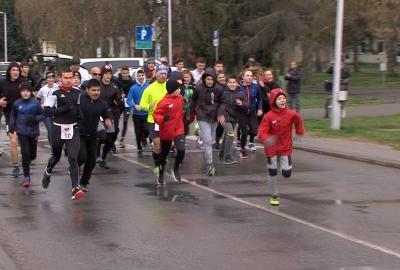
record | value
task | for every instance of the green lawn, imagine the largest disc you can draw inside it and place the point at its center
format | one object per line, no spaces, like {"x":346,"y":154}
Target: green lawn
{"x":381,"y":129}
{"x":309,"y":101}
{"x":369,"y":75}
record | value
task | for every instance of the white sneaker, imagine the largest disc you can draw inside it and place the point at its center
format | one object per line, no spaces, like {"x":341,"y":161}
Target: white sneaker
{"x":252,"y":147}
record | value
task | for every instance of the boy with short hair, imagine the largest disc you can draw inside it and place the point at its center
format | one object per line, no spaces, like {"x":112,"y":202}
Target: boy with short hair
{"x":231,"y":98}
{"x":25,"y":117}
{"x":275,"y":132}
{"x":169,"y":116}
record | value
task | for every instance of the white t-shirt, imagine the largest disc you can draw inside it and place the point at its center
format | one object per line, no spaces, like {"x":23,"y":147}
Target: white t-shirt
{"x":45,"y":92}
{"x":84,"y":74}
{"x":196,"y":75}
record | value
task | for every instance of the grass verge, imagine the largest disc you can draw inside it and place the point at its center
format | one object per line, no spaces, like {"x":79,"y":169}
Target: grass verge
{"x":310,"y":101}
{"x":380,"y":129}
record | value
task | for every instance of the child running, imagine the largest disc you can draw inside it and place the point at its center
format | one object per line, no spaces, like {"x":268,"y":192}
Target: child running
{"x":169,"y":116}
{"x":275,"y":132}
{"x":25,"y":117}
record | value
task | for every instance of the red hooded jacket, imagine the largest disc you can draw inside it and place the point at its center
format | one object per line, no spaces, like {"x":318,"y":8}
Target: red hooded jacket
{"x":172,"y":106}
{"x":279,"y":123}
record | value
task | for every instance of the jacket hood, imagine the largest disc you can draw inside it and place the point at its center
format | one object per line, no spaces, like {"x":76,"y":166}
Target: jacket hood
{"x":273,"y":95}
{"x":12,"y":64}
{"x":136,"y":79}
{"x":206,"y":74}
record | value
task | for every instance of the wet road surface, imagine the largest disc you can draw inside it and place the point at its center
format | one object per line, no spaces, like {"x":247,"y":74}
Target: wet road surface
{"x":334,"y":214}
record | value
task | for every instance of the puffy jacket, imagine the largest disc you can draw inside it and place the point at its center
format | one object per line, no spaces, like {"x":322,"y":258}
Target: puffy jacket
{"x":279,"y":123}
{"x":173,"y":107}
{"x":207,"y":102}
{"x":252,"y":92}
{"x":25,"y":117}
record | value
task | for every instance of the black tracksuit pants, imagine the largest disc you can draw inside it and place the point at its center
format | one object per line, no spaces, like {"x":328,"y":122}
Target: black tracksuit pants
{"x":28,"y":151}
{"x":87,"y":157}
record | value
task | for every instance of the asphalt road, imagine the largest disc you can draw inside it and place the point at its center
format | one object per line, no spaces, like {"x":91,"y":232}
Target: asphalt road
{"x":334,"y":214}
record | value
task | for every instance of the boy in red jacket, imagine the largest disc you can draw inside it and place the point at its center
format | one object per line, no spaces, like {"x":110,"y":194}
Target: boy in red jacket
{"x":275,"y":132}
{"x":169,"y":116}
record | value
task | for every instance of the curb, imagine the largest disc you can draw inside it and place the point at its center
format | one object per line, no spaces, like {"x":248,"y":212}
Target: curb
{"x":388,"y":164}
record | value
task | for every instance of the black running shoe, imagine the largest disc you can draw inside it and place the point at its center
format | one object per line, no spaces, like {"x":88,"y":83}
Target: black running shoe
{"x":176,"y":176}
{"x":103,"y":164}
{"x":46,"y":179}
{"x":229,"y":161}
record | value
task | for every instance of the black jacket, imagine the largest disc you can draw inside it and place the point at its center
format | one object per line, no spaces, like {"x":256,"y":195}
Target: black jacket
{"x":207,"y":102}
{"x":90,"y":112}
{"x":9,"y":90}
{"x":62,"y":106}
{"x":113,"y":96}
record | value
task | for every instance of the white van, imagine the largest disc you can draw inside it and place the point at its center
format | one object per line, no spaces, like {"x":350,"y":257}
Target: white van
{"x":116,"y":63}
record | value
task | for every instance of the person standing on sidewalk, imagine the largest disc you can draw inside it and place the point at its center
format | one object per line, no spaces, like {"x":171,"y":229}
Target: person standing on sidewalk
{"x":275,"y":132}
{"x":208,"y":106}
{"x":62,"y":106}
{"x":125,"y":82}
{"x":91,"y":108}
{"x":169,"y":116}
{"x":9,"y":93}
{"x":25,"y":117}
{"x":139,"y":116}
{"x":150,"y":98}
{"x":248,"y":122}
{"x":293,"y":77}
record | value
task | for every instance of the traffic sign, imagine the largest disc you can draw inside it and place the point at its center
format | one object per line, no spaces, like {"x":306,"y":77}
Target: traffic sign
{"x":144,"y":37}
{"x":215,"y":37}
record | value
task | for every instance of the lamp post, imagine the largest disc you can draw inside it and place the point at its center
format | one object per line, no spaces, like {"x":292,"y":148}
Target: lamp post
{"x":170,"y":32}
{"x":5,"y":36}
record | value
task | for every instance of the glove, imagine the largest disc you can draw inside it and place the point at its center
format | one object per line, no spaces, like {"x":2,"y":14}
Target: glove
{"x":30,"y":120}
{"x":166,"y":117}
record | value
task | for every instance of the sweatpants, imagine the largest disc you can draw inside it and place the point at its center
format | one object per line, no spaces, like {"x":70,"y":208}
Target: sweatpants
{"x":180,"y":152}
{"x":227,"y":141}
{"x":28,"y":151}
{"x":87,"y":157}
{"x":284,"y":163}
{"x":248,"y":125}
{"x":127,"y":112}
{"x":141,"y":130}
{"x":207,"y":134}
{"x":72,"y":148}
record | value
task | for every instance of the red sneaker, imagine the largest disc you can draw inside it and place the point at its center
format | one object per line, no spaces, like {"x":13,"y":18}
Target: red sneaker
{"x":77,"y":194}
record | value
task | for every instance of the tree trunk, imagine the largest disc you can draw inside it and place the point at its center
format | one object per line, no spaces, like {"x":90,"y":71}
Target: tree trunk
{"x":355,"y":56}
{"x":318,"y":64}
{"x":391,"y":46}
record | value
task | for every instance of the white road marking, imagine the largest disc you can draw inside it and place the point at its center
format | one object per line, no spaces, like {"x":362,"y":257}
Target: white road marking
{"x":281,"y":214}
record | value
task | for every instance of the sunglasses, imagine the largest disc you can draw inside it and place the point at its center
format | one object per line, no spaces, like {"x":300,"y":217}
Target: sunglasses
{"x":96,"y":74}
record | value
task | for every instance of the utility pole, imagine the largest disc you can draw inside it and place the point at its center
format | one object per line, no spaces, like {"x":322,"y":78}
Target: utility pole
{"x":336,"y":114}
{"x":169,"y":32}
{"x":5,"y":36}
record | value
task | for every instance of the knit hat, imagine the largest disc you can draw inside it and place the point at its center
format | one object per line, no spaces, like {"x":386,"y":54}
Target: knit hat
{"x":161,"y":69}
{"x":106,"y":68}
{"x":172,"y":86}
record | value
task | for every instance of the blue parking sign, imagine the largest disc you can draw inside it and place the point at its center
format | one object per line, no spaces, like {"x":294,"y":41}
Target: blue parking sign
{"x":144,"y":37}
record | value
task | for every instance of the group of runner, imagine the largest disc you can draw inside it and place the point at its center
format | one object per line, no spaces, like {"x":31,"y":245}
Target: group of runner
{"x":81,"y":115}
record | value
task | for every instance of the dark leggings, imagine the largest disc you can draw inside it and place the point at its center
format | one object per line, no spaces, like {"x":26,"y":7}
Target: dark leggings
{"x":180,"y":152}
{"x":28,"y":151}
{"x":141,"y":129}
{"x":72,"y":147}
{"x":127,"y":112}
{"x":219,"y":132}
{"x":87,"y":157}
{"x":111,"y":137}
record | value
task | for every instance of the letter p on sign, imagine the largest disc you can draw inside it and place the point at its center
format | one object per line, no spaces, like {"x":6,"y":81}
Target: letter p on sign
{"x":143,"y":34}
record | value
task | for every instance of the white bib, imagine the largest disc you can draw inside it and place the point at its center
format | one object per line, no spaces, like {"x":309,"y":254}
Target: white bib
{"x":67,"y":132}
{"x":156,"y":127}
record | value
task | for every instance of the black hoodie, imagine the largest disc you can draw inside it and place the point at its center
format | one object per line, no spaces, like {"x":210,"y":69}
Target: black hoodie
{"x":208,"y":102}
{"x":10,"y":89}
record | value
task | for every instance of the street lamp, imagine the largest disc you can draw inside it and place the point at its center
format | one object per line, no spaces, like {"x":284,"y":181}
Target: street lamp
{"x":5,"y":36}
{"x":170,"y":32}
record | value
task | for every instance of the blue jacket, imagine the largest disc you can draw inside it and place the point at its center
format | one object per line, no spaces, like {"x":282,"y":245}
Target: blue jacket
{"x":134,"y":96}
{"x":25,"y":117}
{"x":253,"y":96}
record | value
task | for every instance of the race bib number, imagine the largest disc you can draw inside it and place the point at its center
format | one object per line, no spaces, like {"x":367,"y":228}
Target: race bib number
{"x":67,"y":132}
{"x":156,"y":127}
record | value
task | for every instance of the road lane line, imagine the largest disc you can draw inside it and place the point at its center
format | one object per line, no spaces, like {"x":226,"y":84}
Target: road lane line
{"x":280,"y":214}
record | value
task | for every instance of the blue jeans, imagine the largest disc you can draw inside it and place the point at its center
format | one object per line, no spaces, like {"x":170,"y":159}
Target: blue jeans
{"x":207,"y":134}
